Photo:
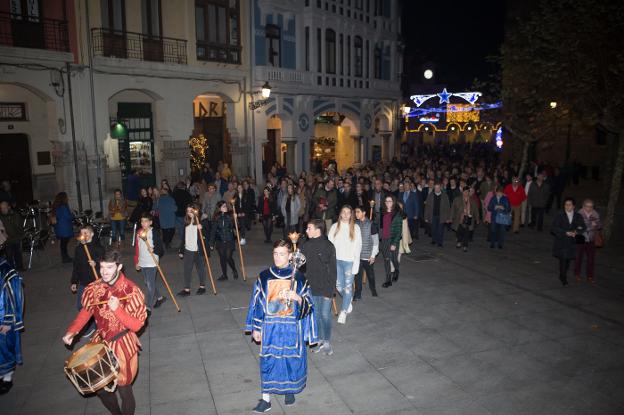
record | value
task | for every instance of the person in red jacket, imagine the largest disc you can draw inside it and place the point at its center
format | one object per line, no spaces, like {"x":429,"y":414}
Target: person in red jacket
{"x":516,"y":195}
{"x":117,"y":323}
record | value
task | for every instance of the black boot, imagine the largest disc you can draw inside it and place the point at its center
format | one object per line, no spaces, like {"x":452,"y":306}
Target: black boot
{"x":388,"y":282}
{"x":395,"y":276}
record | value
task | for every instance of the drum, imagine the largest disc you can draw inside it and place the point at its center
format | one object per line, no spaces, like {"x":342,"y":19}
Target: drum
{"x":92,"y":367}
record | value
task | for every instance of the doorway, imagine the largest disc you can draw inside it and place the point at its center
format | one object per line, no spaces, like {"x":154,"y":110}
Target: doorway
{"x":15,"y":166}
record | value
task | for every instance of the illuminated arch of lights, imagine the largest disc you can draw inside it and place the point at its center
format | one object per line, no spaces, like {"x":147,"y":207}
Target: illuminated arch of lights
{"x":457,"y":127}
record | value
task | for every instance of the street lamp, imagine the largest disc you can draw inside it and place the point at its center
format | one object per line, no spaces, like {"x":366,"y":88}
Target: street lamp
{"x":265,"y":93}
{"x":553,"y":104}
{"x":405,"y":109}
{"x":428,"y":74}
{"x":266,"y":90}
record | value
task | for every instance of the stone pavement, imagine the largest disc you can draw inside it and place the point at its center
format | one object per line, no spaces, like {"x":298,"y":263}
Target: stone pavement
{"x":483,"y":332}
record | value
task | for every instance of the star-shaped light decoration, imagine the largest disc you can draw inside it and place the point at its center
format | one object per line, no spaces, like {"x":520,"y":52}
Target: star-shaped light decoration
{"x":444,"y":96}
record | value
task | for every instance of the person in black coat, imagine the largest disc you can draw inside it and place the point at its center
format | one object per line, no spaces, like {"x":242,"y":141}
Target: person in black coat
{"x":267,"y":208}
{"x":182,"y":199}
{"x":320,"y":271}
{"x":82,"y":274}
{"x":568,"y":228}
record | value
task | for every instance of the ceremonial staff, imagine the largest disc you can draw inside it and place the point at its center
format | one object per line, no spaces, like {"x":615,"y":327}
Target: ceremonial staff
{"x":203,"y":244}
{"x":83,"y":241}
{"x":240,"y":249}
{"x":298,"y":259}
{"x":372,"y":205}
{"x":143,"y":236}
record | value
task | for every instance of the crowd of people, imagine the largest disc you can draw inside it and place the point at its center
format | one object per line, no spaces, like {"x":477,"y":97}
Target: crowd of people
{"x":348,"y":216}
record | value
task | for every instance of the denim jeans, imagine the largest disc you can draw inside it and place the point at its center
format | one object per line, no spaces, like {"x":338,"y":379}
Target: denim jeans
{"x":344,"y":282}
{"x":322,"y":311}
{"x":437,"y":230}
{"x":497,"y":234}
{"x":149,"y":275}
{"x":118,"y":229}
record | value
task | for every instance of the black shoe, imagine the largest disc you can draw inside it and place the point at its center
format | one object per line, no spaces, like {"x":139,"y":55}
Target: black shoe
{"x":184,"y":293}
{"x":222,"y":278}
{"x":235,"y":276}
{"x":564,"y":280}
{"x":289,"y":399}
{"x":160,"y":301}
{"x":262,"y":407}
{"x":388,"y":282}
{"x":432,"y":243}
{"x":395,"y":276}
{"x":149,"y":312}
{"x":200,"y":291}
{"x":5,"y":386}
{"x":374,"y":293}
{"x":465,"y":249}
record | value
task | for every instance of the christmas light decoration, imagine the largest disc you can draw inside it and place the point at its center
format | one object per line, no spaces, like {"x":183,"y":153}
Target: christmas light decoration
{"x":499,"y":138}
{"x":420,"y":112}
{"x":444,"y":96}
{"x":199,"y":146}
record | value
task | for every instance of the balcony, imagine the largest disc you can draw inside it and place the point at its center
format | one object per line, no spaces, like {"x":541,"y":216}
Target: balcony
{"x":278,"y":75}
{"x":138,"y":46}
{"x":218,"y":52}
{"x":33,"y":32}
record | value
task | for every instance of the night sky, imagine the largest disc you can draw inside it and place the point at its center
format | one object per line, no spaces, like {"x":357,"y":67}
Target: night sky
{"x":456,"y":36}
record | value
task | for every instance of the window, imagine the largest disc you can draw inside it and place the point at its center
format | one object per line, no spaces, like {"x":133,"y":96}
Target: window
{"x":272,"y":34}
{"x":29,"y":10}
{"x":113,"y":14}
{"x":218,"y":30}
{"x":319,"y":53}
{"x":330,"y":51}
{"x":307,"y":48}
{"x":377,"y":62}
{"x":357,"y":46}
{"x":12,"y":111}
{"x":348,"y":55}
{"x":151,"y":16}
{"x":341,"y":53}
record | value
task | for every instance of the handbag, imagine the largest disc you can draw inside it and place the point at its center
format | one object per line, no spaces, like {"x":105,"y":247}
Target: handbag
{"x":503,"y":219}
{"x":598,"y":239}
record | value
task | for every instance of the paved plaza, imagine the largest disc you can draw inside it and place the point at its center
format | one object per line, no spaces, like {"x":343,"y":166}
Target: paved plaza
{"x":483,"y":332}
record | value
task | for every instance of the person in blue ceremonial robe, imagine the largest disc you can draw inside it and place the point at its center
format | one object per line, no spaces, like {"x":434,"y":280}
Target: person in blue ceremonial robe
{"x":11,"y":323}
{"x":281,"y":319}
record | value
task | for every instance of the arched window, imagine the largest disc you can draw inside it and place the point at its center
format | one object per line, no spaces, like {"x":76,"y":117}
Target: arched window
{"x":330,"y":51}
{"x":272,"y":34}
{"x":357,"y":46}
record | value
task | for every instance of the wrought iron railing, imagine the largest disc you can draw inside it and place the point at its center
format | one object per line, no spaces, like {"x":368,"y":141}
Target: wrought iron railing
{"x":130,"y":45}
{"x":33,"y":32}
{"x":218,"y":52}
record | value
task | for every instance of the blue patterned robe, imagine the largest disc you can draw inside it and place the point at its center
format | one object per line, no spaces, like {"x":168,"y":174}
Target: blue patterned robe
{"x":11,"y":312}
{"x":285,"y":331}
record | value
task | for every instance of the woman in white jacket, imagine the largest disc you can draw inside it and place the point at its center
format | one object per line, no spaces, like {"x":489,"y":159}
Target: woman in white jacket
{"x":347,"y":240}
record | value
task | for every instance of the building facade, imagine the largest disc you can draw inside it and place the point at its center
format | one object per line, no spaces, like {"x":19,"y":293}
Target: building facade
{"x":334,"y":69}
{"x":93,"y":90}
{"x":161,"y":71}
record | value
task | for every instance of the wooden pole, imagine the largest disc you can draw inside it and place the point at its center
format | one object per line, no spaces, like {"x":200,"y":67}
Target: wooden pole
{"x":162,"y":275}
{"x":203,"y":244}
{"x":334,"y":306}
{"x":240,"y":249}
{"x":86,"y":249}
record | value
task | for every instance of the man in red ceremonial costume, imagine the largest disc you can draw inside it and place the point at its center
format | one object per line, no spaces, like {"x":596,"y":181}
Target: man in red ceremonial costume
{"x":117,"y":321}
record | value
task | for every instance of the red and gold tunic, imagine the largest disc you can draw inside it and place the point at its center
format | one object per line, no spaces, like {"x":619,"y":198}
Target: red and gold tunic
{"x":129,"y":316}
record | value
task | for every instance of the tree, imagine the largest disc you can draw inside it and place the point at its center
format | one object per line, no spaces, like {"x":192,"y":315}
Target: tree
{"x":569,"y":52}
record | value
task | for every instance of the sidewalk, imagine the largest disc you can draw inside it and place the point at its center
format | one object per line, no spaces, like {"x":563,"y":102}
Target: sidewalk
{"x":483,"y":332}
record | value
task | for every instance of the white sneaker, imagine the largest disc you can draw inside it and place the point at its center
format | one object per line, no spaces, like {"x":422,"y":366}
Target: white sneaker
{"x":350,"y":309}
{"x":342,"y":317}
{"x":328,"y":349}
{"x":320,"y":347}
{"x":243,"y":241}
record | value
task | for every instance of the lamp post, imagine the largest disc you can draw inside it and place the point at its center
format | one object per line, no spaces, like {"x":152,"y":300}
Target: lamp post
{"x":265,"y":93}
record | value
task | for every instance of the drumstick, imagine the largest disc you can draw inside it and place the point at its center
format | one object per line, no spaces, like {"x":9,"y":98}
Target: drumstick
{"x":240,"y":249}
{"x":83,"y":241}
{"x":203,"y":244}
{"x":127,"y":297}
{"x":143,"y":236}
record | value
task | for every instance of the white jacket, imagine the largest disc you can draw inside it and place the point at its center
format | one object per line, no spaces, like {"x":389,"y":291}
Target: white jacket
{"x":347,"y":249}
